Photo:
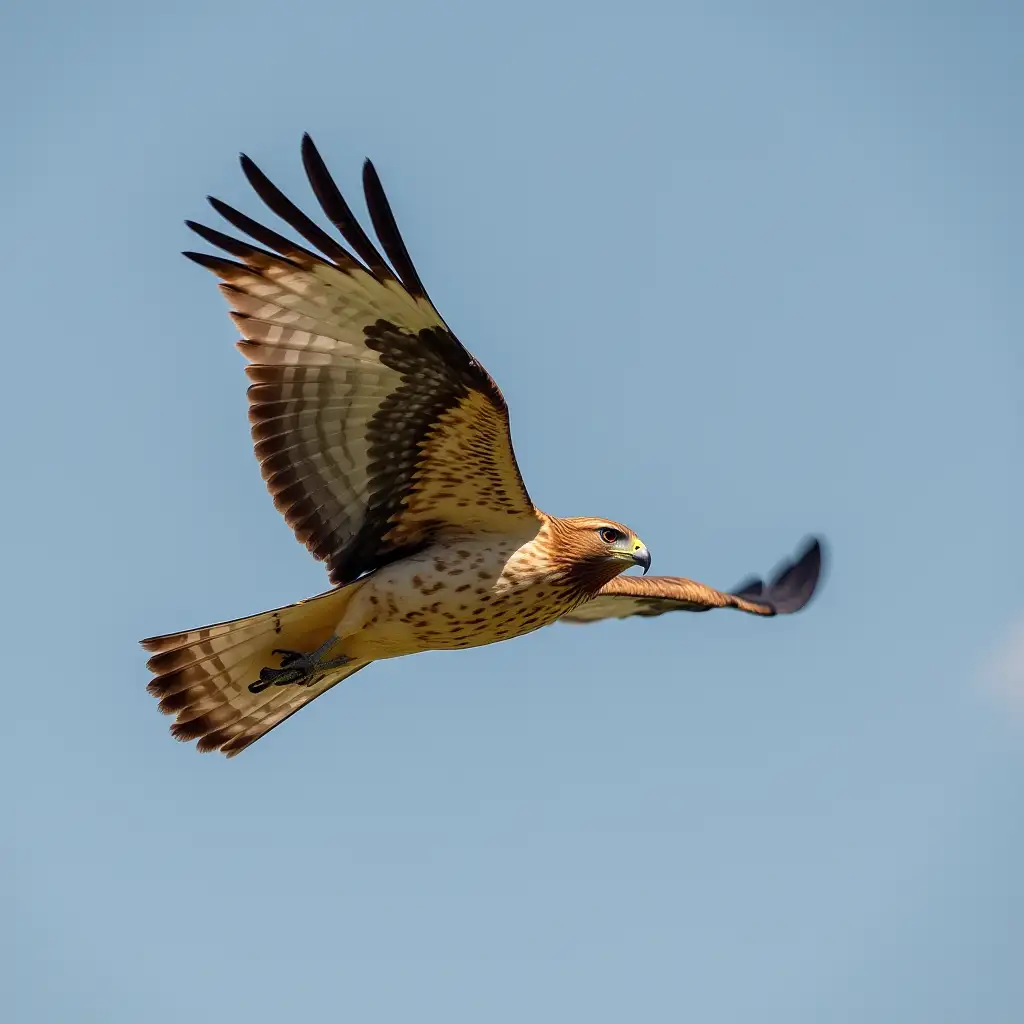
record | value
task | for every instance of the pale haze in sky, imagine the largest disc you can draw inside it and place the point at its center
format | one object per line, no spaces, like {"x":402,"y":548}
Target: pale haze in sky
{"x":743,"y":275}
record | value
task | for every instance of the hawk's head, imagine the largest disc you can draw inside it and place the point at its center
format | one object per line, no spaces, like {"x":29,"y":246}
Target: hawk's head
{"x":590,"y":552}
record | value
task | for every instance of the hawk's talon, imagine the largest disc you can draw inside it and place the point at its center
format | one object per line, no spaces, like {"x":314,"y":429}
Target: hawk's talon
{"x":297,"y":668}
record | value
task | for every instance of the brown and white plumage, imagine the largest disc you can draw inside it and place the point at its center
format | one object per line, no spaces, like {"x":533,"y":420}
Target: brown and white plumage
{"x":386,"y":447}
{"x":371,"y":421}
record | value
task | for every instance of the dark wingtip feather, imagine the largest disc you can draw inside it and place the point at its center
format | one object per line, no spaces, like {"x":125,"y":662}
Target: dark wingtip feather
{"x":202,"y":258}
{"x":284,"y":247}
{"x":217,"y":264}
{"x":284,"y":208}
{"x":211,"y":235}
{"x":310,"y":153}
{"x":386,"y":226}
{"x":793,"y":583}
{"x":249,"y":168}
{"x":235,"y":246}
{"x":338,"y":212}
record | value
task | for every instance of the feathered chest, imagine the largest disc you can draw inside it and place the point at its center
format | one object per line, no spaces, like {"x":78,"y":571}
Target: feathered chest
{"x":463,"y":592}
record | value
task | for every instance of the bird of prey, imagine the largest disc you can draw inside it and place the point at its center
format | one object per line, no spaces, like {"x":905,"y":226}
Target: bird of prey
{"x":386,"y":446}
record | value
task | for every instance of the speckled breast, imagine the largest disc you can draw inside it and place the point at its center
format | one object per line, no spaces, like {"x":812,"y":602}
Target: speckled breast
{"x":463,"y":593}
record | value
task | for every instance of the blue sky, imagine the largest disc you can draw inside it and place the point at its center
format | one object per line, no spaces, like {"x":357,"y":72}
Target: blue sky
{"x":742,"y":276}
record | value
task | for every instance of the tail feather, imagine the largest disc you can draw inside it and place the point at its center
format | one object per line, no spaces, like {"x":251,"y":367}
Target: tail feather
{"x":202,"y":676}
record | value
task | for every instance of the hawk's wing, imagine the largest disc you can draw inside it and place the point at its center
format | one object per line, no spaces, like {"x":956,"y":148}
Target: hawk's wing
{"x":791,"y":587}
{"x":374,"y":427}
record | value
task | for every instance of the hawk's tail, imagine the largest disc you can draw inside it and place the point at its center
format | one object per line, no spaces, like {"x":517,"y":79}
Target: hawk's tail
{"x":203,"y":676}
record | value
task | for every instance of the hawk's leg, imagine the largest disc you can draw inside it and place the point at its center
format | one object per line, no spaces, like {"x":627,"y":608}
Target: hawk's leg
{"x":298,"y":668}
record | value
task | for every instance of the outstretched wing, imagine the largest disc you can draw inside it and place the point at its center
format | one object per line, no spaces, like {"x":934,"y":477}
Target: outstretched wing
{"x":791,"y":587}
{"x":373,"y":425}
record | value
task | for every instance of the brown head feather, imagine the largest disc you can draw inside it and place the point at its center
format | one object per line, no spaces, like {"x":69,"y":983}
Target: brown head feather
{"x":583,"y":559}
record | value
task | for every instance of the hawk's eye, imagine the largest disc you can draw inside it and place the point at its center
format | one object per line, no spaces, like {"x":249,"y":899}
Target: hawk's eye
{"x":608,"y":535}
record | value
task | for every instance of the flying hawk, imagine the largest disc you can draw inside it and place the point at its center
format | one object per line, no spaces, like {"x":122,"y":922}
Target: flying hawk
{"x":386,"y":447}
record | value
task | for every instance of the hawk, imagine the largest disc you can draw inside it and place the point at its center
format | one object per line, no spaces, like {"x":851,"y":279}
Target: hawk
{"x":385,"y":445}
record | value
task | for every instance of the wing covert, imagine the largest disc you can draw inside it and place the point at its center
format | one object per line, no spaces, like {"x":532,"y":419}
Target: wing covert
{"x":373,"y":425}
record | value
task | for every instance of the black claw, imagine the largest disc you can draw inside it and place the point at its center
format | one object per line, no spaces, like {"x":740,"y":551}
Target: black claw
{"x":277,"y":677}
{"x":286,"y":675}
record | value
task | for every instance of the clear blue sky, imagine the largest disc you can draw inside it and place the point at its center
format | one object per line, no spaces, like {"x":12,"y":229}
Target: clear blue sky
{"x":741,"y":277}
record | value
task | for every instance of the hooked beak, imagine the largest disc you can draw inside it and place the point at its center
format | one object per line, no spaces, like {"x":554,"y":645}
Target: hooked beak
{"x":641,"y":556}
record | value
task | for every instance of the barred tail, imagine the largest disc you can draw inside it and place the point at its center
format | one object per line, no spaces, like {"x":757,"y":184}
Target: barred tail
{"x":203,"y":676}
